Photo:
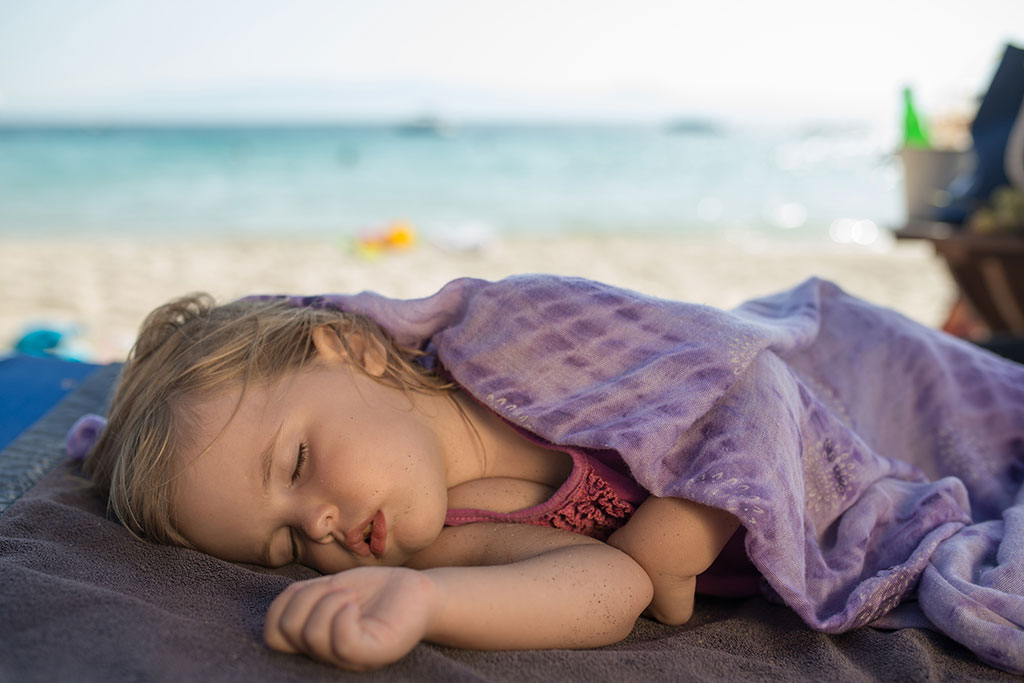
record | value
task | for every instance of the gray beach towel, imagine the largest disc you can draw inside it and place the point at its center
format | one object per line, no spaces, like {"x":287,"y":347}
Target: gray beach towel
{"x":81,"y":600}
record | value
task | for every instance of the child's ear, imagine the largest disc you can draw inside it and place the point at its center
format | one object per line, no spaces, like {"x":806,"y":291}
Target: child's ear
{"x":368,"y":352}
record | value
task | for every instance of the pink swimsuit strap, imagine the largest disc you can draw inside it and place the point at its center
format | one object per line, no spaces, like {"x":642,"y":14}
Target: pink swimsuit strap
{"x":594,"y":500}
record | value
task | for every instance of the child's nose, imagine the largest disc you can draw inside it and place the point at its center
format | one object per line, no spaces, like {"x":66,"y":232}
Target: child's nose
{"x":320,"y":523}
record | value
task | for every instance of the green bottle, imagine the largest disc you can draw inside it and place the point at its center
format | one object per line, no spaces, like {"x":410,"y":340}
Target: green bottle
{"x":914,"y":132}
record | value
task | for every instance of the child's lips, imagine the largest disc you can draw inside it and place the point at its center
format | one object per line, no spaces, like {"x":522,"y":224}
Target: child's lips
{"x":355,"y":539}
{"x":379,"y":535}
{"x":370,"y":538}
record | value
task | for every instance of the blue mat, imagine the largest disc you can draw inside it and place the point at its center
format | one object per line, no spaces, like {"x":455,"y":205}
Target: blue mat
{"x":30,"y":386}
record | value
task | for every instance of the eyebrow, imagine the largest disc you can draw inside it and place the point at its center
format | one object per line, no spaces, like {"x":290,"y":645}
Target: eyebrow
{"x":267,"y":460}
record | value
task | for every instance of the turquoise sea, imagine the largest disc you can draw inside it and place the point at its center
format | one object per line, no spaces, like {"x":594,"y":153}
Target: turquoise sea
{"x":505,"y":179}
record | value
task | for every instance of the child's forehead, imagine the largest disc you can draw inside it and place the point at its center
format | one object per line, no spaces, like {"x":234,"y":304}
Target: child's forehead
{"x":250,"y":394}
{"x":222,"y":409}
{"x":229,"y":423}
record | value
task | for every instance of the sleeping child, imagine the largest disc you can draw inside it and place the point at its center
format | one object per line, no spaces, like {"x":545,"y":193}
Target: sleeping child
{"x":535,"y":462}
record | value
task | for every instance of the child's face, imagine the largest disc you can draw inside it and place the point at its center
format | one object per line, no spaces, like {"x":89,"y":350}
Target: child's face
{"x":307,"y":465}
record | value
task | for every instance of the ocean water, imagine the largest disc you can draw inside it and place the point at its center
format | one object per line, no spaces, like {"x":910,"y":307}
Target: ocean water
{"x":515,"y":179}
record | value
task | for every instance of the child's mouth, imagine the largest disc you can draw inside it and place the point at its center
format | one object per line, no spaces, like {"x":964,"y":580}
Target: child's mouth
{"x":377,"y":534}
{"x":370,"y":539}
{"x":357,"y":540}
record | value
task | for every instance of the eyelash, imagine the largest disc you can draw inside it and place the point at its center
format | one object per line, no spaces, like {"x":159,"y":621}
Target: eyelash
{"x":300,"y":464}
{"x":300,"y":461}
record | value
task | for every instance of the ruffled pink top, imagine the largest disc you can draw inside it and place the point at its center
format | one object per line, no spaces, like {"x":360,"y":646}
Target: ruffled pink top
{"x":594,"y":500}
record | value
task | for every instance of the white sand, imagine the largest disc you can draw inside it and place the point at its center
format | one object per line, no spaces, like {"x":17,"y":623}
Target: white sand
{"x":105,"y":288}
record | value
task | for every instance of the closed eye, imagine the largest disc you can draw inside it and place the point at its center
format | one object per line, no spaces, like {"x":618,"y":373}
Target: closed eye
{"x":300,"y":461}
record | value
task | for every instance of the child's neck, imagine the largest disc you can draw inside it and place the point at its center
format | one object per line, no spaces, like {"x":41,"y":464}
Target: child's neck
{"x":500,"y":451}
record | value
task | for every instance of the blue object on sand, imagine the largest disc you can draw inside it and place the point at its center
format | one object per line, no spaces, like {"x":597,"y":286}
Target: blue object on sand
{"x":40,"y":342}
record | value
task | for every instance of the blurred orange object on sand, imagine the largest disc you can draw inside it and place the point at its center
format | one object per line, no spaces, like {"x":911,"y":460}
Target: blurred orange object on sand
{"x":399,"y":235}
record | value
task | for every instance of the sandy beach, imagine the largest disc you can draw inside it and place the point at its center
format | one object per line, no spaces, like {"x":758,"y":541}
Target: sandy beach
{"x":103,"y":288}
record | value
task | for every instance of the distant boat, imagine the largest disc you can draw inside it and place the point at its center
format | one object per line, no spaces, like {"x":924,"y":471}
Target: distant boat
{"x":427,"y":125}
{"x":693,"y":126}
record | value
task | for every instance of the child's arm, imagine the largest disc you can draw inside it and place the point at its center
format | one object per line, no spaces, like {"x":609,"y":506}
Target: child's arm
{"x":540,"y":588}
{"x":674,"y":540}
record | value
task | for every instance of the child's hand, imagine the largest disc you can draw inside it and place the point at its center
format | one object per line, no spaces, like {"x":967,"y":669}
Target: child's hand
{"x":359,"y":619}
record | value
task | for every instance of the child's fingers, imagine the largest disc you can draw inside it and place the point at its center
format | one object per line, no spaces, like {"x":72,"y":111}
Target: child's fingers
{"x":272,"y":634}
{"x":317,"y":637}
{"x":286,"y":617}
{"x":274,"y":638}
{"x":347,"y":639}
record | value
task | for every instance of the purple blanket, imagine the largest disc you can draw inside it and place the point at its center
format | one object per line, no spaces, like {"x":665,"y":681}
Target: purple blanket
{"x":867,"y":456}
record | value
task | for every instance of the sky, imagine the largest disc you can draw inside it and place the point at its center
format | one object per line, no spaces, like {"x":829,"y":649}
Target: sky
{"x":325,"y":60}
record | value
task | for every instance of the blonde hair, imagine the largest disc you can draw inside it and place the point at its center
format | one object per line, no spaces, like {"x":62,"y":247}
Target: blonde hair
{"x":192,"y":349}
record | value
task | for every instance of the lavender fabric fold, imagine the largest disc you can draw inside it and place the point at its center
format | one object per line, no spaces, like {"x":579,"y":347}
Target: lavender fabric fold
{"x":866,"y":455}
